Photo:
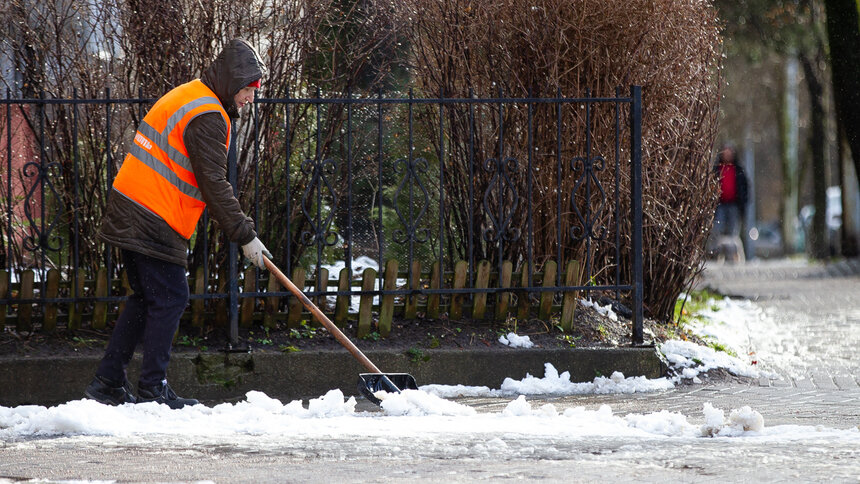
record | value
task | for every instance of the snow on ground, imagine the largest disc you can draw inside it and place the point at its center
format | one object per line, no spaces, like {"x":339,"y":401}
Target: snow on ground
{"x":426,"y":411}
{"x":603,"y":310}
{"x":411,"y":413}
{"x":730,"y":323}
{"x":554,"y":383}
{"x":739,"y":323}
{"x":689,"y":360}
{"x":516,"y":341}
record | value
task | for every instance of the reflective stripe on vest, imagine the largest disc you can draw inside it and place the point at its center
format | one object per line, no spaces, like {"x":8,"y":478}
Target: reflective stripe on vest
{"x":157,"y":173}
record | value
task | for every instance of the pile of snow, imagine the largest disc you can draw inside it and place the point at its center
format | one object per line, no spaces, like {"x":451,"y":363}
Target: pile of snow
{"x":727,"y":322}
{"x":602,"y":310}
{"x":411,"y":413}
{"x":516,"y":341}
{"x":755,"y":335}
{"x":688,"y":360}
{"x":554,"y":383}
{"x":417,"y":402}
{"x":88,"y":417}
{"x":740,"y":421}
{"x":520,"y":407}
{"x":669,"y":424}
{"x":454,"y":391}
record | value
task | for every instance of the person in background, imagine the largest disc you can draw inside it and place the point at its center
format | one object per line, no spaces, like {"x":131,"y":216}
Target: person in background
{"x":176,"y":167}
{"x":733,"y":198}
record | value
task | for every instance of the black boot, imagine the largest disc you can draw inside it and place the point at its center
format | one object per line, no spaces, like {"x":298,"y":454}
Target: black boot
{"x":162,"y":393}
{"x":110,"y":392}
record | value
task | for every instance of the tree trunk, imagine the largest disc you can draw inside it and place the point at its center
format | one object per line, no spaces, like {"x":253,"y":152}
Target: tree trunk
{"x":788,"y":110}
{"x":817,"y":237}
{"x":850,"y":232}
{"x":843,"y":33}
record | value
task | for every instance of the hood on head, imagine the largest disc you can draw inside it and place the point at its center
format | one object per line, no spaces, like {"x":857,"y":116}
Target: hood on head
{"x":236,"y":66}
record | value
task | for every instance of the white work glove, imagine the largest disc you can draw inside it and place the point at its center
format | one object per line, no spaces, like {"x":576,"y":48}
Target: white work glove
{"x":254,"y":251}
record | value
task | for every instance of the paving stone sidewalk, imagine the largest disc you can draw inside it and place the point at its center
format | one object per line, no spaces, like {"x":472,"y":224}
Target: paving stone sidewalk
{"x":812,"y":329}
{"x":808,"y":338}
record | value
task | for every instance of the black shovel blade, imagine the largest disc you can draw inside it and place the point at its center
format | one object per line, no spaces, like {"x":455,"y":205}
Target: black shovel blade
{"x":370,"y":383}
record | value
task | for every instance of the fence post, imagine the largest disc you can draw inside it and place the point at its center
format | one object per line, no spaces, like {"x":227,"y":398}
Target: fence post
{"x":52,"y":290}
{"x":636,"y":208}
{"x":386,"y":309}
{"x":503,"y":299}
{"x":246,"y":311}
{"x":523,"y":296}
{"x":410,"y":311}
{"x":482,"y":281}
{"x":100,"y":307}
{"x":222,"y":311}
{"x":295,"y":306}
{"x":321,"y":285}
{"x":455,"y":312}
{"x":549,"y":272}
{"x":269,"y":319}
{"x":365,"y":308}
{"x":572,"y":277}
{"x":76,"y":309}
{"x":341,"y":305}
{"x":434,"y":299}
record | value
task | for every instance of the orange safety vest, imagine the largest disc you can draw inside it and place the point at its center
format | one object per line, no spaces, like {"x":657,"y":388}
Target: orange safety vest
{"x":156,"y":173}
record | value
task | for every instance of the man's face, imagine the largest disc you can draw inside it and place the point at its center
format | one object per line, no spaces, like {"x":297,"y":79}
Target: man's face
{"x":244,"y":96}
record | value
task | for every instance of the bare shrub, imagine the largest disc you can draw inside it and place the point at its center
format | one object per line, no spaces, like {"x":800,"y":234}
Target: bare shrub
{"x":572,"y":47}
{"x":546,"y":47}
{"x":138,"y":48}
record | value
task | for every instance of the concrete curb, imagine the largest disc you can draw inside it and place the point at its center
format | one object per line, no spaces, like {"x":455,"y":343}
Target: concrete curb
{"x":223,"y":377}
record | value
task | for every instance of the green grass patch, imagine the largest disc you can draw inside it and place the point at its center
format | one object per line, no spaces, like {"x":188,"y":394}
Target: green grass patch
{"x":687,"y":310}
{"x":717,"y":346}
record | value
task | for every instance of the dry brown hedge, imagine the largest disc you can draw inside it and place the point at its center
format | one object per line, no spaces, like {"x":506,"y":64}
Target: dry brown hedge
{"x":671,"y":48}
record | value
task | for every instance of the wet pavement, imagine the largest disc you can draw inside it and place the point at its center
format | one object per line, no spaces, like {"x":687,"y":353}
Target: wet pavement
{"x":807,"y":339}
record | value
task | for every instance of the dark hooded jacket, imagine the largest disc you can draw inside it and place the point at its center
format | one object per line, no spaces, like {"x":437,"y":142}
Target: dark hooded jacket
{"x":128,"y":226}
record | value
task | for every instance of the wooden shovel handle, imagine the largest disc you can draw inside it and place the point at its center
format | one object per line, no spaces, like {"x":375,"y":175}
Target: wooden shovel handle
{"x":322,"y":318}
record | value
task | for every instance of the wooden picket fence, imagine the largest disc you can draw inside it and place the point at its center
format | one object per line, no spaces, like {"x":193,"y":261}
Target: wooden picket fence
{"x":97,"y":303}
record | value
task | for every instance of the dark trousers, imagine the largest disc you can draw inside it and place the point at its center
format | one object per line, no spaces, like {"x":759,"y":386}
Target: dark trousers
{"x":151,"y":318}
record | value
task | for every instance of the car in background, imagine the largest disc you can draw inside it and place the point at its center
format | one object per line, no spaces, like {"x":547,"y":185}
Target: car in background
{"x":833,"y":218}
{"x":766,"y":240}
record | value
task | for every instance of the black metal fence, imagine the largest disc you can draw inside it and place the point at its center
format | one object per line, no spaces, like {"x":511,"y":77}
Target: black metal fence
{"x":434,"y":179}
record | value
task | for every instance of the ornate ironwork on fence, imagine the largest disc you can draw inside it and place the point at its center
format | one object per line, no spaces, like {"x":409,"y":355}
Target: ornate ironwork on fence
{"x":472,"y":197}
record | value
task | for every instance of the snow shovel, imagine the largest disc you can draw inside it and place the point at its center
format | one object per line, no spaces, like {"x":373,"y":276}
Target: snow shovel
{"x":368,"y":383}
